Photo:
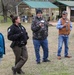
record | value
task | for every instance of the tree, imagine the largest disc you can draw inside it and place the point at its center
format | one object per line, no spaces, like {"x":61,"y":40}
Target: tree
{"x":8,"y":6}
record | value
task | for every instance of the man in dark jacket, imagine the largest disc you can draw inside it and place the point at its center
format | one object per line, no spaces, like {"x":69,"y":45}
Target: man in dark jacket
{"x":18,"y":35}
{"x":40,"y":32}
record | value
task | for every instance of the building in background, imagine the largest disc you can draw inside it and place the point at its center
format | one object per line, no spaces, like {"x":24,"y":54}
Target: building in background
{"x":29,"y":6}
{"x":53,"y":9}
{"x":66,"y":5}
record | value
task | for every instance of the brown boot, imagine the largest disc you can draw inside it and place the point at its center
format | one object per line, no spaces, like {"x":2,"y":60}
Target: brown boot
{"x":59,"y":57}
{"x":68,"y":56}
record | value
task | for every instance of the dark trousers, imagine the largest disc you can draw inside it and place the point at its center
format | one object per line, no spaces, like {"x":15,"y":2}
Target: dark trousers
{"x":21,"y":56}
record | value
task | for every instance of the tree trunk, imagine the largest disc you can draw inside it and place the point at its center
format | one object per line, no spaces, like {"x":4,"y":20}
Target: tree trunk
{"x":4,"y":8}
{"x":5,"y":16}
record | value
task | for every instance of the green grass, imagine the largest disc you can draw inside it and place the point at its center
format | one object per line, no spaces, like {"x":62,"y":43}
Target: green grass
{"x":55,"y":67}
{"x":1,"y":18}
{"x":8,"y":19}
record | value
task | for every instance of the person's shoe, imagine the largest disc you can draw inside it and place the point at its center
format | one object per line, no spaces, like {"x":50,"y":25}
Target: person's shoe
{"x":39,"y":62}
{"x":68,"y":56}
{"x":59,"y":57}
{"x":20,"y":72}
{"x":14,"y":71}
{"x":46,"y":60}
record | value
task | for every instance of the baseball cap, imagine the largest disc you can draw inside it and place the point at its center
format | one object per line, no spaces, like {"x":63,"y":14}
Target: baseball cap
{"x":64,"y":12}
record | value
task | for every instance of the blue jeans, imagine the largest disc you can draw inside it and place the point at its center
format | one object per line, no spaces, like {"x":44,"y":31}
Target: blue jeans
{"x":61,"y":39}
{"x":44,"y":44}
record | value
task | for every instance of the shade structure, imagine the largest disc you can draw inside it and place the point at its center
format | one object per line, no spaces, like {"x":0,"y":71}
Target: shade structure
{"x":39,"y":4}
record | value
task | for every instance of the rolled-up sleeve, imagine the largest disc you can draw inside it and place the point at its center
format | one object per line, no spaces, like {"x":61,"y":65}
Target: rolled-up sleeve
{"x":59,"y":25}
{"x":70,"y":25}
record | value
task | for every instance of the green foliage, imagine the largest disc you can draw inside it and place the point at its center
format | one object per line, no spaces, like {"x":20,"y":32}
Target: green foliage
{"x":1,"y":19}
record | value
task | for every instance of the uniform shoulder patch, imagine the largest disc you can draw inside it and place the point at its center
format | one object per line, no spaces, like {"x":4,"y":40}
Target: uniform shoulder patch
{"x":22,"y":27}
{"x":9,"y":30}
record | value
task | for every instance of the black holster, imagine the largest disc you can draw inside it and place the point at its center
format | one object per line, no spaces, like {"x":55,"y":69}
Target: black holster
{"x":13,"y":44}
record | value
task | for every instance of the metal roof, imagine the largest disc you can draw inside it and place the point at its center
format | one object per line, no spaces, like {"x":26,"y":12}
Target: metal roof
{"x":67,"y":3}
{"x":39,"y":4}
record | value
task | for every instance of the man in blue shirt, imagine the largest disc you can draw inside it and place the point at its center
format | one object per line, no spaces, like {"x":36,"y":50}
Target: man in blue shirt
{"x":64,"y":26}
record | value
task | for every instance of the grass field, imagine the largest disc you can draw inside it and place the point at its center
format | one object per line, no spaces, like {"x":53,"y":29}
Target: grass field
{"x":55,"y":67}
{"x":1,"y":19}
